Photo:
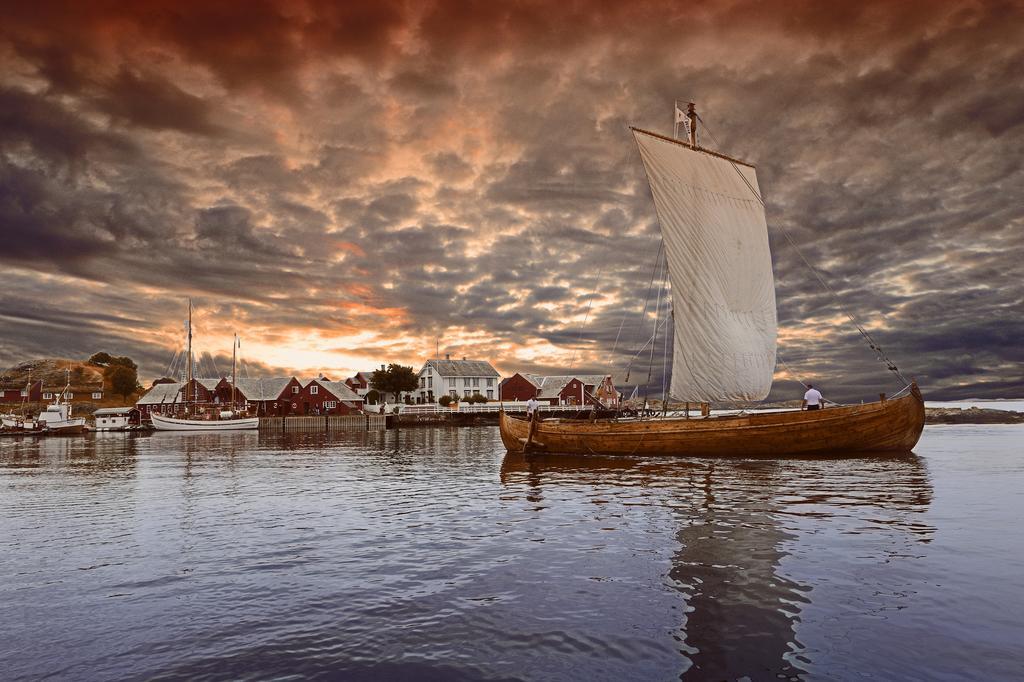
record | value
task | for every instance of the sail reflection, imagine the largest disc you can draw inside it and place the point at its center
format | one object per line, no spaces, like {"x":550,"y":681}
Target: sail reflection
{"x":740,"y":527}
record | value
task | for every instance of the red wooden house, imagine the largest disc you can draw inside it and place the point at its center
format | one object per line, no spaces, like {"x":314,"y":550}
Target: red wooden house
{"x":580,"y":389}
{"x":262,"y":396}
{"x":320,"y":396}
{"x":11,"y":393}
{"x":360,"y":383}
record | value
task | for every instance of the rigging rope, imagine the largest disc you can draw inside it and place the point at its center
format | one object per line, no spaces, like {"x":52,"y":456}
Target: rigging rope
{"x":625,"y":310}
{"x":657,"y":315}
{"x":583,"y":325}
{"x":835,"y":296}
{"x":647,"y":301}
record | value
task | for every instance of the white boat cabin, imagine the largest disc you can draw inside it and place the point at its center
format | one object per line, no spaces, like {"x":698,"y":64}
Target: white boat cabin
{"x":55,"y":412}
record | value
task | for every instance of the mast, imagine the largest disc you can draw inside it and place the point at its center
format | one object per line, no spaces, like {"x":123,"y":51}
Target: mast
{"x":188,"y":372}
{"x":691,"y":113}
{"x":28,"y":391}
{"x":234,"y":346}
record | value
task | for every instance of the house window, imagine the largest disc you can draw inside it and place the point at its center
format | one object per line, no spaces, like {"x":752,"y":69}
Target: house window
{"x":476,"y":391}
{"x":453,"y":393}
{"x":47,"y":396}
{"x":465,"y":382}
{"x":465,"y":393}
{"x":476,"y":381}
{"x":430,"y":382}
{"x":490,"y":381}
{"x":451,"y":382}
{"x":423,"y":382}
{"x":490,"y":394}
{"x":314,"y":389}
{"x":24,"y":393}
{"x":70,"y":395}
{"x":97,"y":396}
{"x":330,"y":404}
{"x":295,"y":389}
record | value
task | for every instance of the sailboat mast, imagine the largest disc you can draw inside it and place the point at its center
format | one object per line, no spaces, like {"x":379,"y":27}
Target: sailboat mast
{"x":234,"y":347}
{"x":188,"y":372}
{"x":691,"y":113}
{"x":28,"y":391}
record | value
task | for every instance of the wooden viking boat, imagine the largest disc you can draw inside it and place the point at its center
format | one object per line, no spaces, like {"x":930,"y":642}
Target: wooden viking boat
{"x":885,"y":427}
{"x":715,"y":238}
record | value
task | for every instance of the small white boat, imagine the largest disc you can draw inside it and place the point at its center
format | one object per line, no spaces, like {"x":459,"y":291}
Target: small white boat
{"x":56,"y":418}
{"x":164,"y":423}
{"x":12,"y":425}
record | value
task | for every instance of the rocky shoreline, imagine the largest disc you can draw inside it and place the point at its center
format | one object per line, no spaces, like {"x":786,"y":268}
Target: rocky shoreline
{"x":972,"y":415}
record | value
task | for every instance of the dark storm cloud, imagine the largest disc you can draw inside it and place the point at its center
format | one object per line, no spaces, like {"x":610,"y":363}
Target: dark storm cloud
{"x":449,"y":166}
{"x":56,"y":136}
{"x":410,"y":169}
{"x":156,"y":103}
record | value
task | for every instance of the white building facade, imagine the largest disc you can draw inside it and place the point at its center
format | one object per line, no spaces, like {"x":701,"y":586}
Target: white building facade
{"x":458,"y":379}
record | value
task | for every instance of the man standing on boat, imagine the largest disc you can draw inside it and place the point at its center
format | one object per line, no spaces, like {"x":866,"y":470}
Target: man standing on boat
{"x":813,"y":399}
{"x":531,"y":406}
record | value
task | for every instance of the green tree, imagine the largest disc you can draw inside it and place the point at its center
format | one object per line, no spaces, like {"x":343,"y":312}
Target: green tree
{"x":445,"y":400}
{"x":162,"y":380}
{"x":395,"y":379}
{"x":123,"y":380}
{"x":124,"y":361}
{"x":100,"y":359}
{"x":372,"y":397}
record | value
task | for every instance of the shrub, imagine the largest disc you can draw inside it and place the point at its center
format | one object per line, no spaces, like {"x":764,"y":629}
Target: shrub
{"x":445,"y":400}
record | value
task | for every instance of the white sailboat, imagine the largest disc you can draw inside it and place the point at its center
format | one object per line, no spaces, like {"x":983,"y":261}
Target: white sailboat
{"x":14,"y":424}
{"x":224,"y":420}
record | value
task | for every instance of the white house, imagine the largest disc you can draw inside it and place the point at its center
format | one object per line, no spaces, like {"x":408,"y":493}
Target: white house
{"x":457,"y":378}
{"x":116,"y":418}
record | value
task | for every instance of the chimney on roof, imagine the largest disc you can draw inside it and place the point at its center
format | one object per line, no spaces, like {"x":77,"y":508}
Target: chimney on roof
{"x":383,"y":368}
{"x":447,"y":356}
{"x":463,"y":358}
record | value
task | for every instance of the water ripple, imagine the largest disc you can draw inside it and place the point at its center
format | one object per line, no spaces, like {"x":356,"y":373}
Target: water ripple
{"x":430,"y":554}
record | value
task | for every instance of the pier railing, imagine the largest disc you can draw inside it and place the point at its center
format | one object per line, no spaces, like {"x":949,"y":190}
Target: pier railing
{"x":434,"y":408}
{"x":351,"y":422}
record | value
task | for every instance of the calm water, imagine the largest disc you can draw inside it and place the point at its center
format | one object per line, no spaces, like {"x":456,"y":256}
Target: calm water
{"x":431,"y":554}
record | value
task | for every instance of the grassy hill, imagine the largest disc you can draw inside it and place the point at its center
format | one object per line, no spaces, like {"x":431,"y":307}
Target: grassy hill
{"x":84,"y":375}
{"x":52,"y":372}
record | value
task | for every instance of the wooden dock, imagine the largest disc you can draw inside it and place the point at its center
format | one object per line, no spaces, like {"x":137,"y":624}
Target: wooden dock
{"x":322,"y":424}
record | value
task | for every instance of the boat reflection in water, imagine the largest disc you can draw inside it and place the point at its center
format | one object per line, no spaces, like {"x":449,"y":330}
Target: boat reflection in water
{"x":754,"y":542}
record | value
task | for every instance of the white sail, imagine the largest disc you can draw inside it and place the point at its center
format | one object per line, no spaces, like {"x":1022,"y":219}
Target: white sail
{"x":720,"y":268}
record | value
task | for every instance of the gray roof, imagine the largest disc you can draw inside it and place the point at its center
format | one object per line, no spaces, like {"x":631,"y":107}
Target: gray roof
{"x":113,"y":410}
{"x":262,"y":388}
{"x":161,"y":393}
{"x":340,"y":390}
{"x":208,"y":384}
{"x":551,"y":386}
{"x":462,"y":368}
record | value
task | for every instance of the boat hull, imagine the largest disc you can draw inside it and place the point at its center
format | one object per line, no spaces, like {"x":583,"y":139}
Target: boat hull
{"x":65,"y":427}
{"x":884,"y":427}
{"x":162,"y":423}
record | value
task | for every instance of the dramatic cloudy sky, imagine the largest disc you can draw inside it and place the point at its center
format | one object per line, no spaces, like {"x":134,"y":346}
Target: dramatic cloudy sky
{"x":351,"y":184}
